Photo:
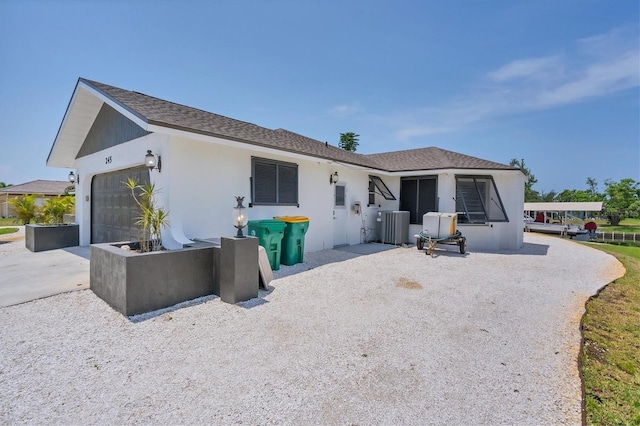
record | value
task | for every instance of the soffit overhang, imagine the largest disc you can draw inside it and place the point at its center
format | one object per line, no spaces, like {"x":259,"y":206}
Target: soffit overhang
{"x":81,"y":112}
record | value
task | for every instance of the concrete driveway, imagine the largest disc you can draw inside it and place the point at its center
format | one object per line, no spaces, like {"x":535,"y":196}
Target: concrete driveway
{"x":394,"y":337}
{"x":26,"y":276}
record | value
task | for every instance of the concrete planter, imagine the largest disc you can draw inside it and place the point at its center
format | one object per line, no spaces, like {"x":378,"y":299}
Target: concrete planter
{"x":134,"y":283}
{"x":51,"y":237}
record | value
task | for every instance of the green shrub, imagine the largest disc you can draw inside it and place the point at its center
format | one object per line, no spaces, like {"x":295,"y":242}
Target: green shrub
{"x":54,"y":209}
{"x":26,"y":208}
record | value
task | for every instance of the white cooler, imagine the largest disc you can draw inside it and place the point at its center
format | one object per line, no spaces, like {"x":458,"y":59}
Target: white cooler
{"x":439,"y":225}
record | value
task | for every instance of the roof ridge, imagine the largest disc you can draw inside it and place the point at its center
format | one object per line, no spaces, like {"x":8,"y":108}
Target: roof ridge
{"x":368,"y":163}
{"x":39,"y":180}
{"x":173,"y":115}
{"x":280,"y":129}
{"x":93,"y":83}
{"x":411,"y":149}
{"x":38,"y":186}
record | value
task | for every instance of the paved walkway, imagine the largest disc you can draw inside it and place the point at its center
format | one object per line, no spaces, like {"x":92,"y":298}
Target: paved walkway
{"x":26,"y":276}
{"x":23,"y":272}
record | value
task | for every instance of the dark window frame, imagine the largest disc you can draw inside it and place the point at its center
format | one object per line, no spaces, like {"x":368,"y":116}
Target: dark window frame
{"x":382,"y":188}
{"x":414,"y":199}
{"x":281,"y":191}
{"x":479,"y":197}
{"x":372,"y":194}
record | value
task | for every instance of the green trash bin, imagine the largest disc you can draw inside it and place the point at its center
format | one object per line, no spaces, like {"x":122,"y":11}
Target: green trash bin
{"x":293,"y":240}
{"x":269,"y":233}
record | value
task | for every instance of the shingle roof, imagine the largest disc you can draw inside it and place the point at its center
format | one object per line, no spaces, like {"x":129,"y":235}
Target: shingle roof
{"x":432,"y":158}
{"x":44,"y":187}
{"x":168,"y":114}
{"x":316,"y":148}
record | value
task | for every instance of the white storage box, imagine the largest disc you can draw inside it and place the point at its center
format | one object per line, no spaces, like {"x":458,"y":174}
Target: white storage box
{"x":439,"y":225}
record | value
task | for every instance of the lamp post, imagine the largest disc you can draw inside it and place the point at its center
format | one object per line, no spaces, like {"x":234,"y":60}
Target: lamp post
{"x":240,"y":217}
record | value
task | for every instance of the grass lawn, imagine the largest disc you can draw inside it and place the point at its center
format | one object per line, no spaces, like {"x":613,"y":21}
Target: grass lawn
{"x":8,"y":230}
{"x":626,"y":225}
{"x":7,"y":221}
{"x":610,"y":356}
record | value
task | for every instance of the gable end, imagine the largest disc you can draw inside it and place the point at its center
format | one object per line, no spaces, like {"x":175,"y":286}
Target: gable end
{"x":110,"y":128}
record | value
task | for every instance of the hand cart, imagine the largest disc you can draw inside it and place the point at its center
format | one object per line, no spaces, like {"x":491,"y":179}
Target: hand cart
{"x":440,"y":228}
{"x":455,"y":239}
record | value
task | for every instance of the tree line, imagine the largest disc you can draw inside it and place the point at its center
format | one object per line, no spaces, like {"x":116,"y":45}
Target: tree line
{"x":620,"y":199}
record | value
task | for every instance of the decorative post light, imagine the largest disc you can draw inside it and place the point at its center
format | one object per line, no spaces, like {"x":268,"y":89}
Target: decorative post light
{"x":150,"y":161}
{"x":72,"y":177}
{"x":240,"y":217}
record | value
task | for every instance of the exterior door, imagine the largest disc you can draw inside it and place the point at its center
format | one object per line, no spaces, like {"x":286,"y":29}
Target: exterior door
{"x":114,"y":213}
{"x":340,"y":215}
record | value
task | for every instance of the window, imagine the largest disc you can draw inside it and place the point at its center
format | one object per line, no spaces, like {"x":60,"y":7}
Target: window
{"x":372,"y":194}
{"x":418,"y":195}
{"x":340,"y":195}
{"x":478,"y":200}
{"x":274,"y":182}
{"x":381,"y":187}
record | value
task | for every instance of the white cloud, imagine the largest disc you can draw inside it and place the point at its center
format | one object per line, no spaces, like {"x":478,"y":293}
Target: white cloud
{"x":344,"y":110}
{"x":416,"y":131}
{"x":598,"y":79}
{"x":596,"y":66}
{"x":614,"y":42}
{"x":532,"y":68}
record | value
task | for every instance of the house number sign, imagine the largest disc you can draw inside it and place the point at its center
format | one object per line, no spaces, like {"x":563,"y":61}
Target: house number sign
{"x":107,"y":160}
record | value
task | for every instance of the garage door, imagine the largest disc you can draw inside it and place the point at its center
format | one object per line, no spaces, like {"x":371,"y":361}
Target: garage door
{"x":113,"y":211}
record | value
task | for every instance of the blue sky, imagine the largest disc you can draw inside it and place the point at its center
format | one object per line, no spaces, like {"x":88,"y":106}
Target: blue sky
{"x":553,"y":82}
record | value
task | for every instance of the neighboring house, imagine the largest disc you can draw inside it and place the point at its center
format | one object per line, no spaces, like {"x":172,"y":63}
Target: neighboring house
{"x":42,"y":189}
{"x":207,"y":160}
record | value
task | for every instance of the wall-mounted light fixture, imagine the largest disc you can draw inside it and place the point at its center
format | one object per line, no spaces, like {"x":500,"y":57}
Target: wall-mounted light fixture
{"x":240,"y":217}
{"x":73,"y":178}
{"x":333,"y":178}
{"x":151,"y":162}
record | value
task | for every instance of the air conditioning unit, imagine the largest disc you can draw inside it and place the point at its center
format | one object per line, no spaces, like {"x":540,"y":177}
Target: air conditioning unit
{"x":392,"y":227}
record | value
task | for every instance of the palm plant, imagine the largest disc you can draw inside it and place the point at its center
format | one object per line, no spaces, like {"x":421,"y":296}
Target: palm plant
{"x":26,"y":208}
{"x":54,"y":209}
{"x":152,"y":219}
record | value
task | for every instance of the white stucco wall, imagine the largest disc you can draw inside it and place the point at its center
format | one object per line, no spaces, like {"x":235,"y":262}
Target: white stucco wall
{"x":491,"y":236}
{"x":201,"y":177}
{"x":357,"y":190}
{"x":205,"y":177}
{"x":497,"y":236}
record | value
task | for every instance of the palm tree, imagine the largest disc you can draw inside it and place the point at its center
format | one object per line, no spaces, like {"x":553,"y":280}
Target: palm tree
{"x":529,"y":193}
{"x":26,"y":208}
{"x":349,"y":141}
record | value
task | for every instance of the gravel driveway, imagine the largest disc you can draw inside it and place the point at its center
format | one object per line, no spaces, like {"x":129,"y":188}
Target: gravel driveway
{"x":391,"y":338}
